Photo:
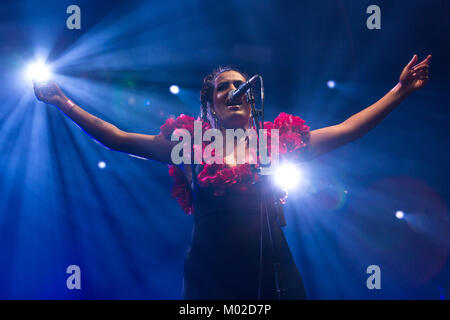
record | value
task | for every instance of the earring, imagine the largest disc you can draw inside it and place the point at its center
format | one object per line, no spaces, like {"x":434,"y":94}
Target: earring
{"x":213,"y":113}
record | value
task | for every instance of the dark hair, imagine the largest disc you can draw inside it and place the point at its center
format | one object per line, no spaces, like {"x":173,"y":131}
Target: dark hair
{"x":206,"y":93}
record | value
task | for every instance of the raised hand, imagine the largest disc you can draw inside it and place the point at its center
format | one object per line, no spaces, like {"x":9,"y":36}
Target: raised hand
{"x":48,"y":92}
{"x":415,"y":75}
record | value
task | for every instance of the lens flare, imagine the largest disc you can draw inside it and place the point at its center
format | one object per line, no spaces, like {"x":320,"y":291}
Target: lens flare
{"x":174,"y":89}
{"x":38,"y":71}
{"x":331,"y":84}
{"x":399,"y":214}
{"x":101,"y":164}
{"x":288,"y":176}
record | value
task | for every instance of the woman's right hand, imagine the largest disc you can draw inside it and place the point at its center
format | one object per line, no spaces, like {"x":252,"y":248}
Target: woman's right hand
{"x":49,"y":92}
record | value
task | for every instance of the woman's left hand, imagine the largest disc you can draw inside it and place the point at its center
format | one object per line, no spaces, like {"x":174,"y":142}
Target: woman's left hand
{"x":415,"y":76}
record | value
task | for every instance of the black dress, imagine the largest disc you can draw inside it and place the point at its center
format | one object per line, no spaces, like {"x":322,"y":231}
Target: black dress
{"x":225,"y":259}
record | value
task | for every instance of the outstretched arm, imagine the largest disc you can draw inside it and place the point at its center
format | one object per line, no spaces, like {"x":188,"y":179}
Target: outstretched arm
{"x":413,"y":77}
{"x":154,"y":147}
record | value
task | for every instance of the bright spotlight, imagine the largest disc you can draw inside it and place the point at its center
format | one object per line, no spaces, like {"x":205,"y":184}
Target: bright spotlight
{"x":38,"y":71}
{"x":399,"y":214}
{"x":287,"y":176}
{"x":101,"y":164}
{"x":174,"y":89}
{"x":331,"y":84}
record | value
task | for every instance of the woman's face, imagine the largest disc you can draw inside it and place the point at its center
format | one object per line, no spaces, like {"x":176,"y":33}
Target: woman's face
{"x":236,"y":116}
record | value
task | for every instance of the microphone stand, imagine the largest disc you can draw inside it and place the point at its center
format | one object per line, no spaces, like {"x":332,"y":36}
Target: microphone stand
{"x":279,"y":286}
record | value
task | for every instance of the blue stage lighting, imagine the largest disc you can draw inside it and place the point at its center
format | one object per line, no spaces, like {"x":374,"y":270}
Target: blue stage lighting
{"x":38,"y":71}
{"x":101,"y":164}
{"x":174,"y":89}
{"x":399,"y":214}
{"x":331,"y":84}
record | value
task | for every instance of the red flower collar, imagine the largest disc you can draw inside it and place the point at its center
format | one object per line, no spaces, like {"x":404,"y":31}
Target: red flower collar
{"x":293,"y":138}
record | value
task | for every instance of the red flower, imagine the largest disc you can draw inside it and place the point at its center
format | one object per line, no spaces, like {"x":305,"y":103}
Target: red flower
{"x":227,"y":176}
{"x":290,"y":142}
{"x":180,"y":189}
{"x":245,"y":173}
{"x":293,"y":133}
{"x":287,"y":122}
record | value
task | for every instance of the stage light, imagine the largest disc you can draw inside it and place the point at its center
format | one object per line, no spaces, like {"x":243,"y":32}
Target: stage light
{"x":147,"y":103}
{"x":287,"y":176}
{"x":331,"y":84}
{"x":399,"y":214}
{"x":38,"y":71}
{"x":101,"y":164}
{"x":174,"y":89}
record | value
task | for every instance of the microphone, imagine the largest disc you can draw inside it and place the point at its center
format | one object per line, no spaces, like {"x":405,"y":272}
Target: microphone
{"x":235,"y":96}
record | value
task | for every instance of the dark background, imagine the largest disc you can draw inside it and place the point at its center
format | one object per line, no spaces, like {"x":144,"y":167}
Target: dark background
{"x":120,"y":224}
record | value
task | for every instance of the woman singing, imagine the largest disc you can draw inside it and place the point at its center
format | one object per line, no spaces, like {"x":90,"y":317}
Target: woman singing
{"x":237,"y":250}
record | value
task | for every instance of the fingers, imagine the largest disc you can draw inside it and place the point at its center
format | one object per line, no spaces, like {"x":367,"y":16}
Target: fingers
{"x":421,"y":75}
{"x":420,"y":67}
{"x":38,"y":93}
{"x":37,"y":85}
{"x":426,"y":61}
{"x":422,"y":70}
{"x":412,"y":62}
{"x":422,"y":80}
{"x":38,"y":90}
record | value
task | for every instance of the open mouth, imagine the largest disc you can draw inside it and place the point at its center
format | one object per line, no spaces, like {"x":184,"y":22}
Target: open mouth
{"x":234,"y":107}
